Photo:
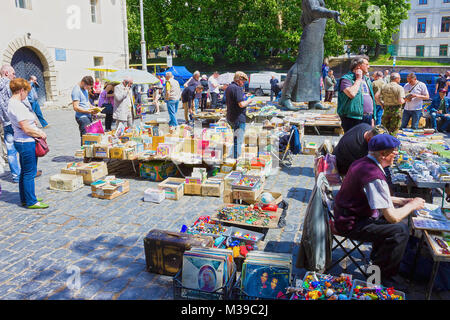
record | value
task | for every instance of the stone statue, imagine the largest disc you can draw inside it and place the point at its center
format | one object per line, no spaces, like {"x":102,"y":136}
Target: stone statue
{"x":302,"y":83}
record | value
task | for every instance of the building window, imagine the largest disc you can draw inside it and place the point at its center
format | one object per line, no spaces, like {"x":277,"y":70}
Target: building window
{"x":24,"y":4}
{"x":420,"y":51}
{"x":95,"y":11}
{"x":98,"y":61}
{"x":421,"y":25}
{"x":423,"y":2}
{"x":443,"y":50}
{"x":445,"y":24}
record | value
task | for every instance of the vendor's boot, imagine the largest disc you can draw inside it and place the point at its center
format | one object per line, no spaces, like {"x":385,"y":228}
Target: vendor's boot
{"x":288,"y":104}
{"x":316,"y":105}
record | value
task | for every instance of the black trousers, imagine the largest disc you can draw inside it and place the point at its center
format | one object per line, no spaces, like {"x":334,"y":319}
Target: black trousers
{"x":214,"y":99}
{"x":203,"y":101}
{"x":388,"y":240}
{"x":108,"y":122}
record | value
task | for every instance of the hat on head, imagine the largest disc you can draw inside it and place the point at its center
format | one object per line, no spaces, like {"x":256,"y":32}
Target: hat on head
{"x":443,"y":90}
{"x":239,"y":75}
{"x":383,"y":142}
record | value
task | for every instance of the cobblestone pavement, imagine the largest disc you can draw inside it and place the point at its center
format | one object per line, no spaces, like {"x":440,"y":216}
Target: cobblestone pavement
{"x":39,"y":249}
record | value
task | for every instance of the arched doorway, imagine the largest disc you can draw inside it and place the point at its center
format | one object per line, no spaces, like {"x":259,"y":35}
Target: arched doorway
{"x":27,"y":63}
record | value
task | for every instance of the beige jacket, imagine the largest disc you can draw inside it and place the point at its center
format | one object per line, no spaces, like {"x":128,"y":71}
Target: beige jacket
{"x":173,"y":91}
{"x":122,"y":103}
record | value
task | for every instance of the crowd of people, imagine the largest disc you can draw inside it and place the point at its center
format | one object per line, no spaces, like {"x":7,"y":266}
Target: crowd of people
{"x":384,"y":101}
{"x":19,"y":115}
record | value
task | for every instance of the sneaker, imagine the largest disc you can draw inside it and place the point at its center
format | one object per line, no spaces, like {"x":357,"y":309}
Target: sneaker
{"x":38,"y":173}
{"x":38,"y":205}
{"x":38,"y":200}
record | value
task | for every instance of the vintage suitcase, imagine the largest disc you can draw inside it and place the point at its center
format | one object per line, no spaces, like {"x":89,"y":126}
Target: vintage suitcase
{"x":164,"y":249}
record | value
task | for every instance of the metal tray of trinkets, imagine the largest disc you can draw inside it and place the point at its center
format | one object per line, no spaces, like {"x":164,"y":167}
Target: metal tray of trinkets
{"x":246,"y":183}
{"x":240,"y":215}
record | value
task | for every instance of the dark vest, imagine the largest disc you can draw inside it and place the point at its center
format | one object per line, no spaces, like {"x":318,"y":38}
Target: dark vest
{"x":351,"y":204}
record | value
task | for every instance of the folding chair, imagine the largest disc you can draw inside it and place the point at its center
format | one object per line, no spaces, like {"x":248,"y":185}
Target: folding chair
{"x":327,"y":195}
{"x":286,"y":158}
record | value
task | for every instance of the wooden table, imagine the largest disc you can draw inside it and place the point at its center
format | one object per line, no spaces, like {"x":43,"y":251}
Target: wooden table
{"x":436,"y":255}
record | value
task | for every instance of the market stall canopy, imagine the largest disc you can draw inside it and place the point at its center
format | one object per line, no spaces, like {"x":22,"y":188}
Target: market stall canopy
{"x":226,"y":78}
{"x":180,"y":73}
{"x":104,"y":68}
{"x":138,"y":76}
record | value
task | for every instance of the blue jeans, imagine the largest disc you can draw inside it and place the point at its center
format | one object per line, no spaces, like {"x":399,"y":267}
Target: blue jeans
{"x":37,"y":110}
{"x":172,"y":108}
{"x":12,"y":152}
{"x":238,"y":137}
{"x":28,"y":164}
{"x":83,"y":121}
{"x":196,"y":104}
{"x":411,"y":114}
{"x":445,"y":120}
{"x":379,"y":115}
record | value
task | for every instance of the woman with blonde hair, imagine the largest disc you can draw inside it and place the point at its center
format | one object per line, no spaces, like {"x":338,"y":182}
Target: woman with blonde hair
{"x":25,"y":131}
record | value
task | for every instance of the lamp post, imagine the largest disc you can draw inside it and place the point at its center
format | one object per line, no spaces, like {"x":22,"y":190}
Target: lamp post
{"x":143,"y":47}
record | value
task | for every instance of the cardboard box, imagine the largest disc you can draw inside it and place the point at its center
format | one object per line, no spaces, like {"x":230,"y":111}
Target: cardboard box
{"x":212,"y":188}
{"x":228,"y":166}
{"x":173,"y":188}
{"x":156,"y":140}
{"x":93,"y":172}
{"x":193,"y":189}
{"x":109,"y":190}
{"x":101,"y":151}
{"x":248,"y":195}
{"x":88,"y":151}
{"x":276,"y":195}
{"x":117,"y":153}
{"x":250,"y":150}
{"x":310,"y":148}
{"x":66,"y":182}
{"x":227,"y":196}
{"x":91,"y":139}
{"x":190,"y":145}
{"x":71,"y":168}
{"x":154,"y":195}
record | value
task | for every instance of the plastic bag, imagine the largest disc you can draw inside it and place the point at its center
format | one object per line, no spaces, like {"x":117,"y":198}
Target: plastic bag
{"x":95,"y":127}
{"x":327,"y":165}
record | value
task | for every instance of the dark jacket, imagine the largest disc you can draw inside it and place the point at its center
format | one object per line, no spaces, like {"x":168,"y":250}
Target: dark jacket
{"x":436,"y":105}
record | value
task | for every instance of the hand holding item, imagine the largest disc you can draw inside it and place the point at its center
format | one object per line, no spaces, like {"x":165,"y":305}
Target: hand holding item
{"x":358,"y":74}
{"x":43,"y":135}
{"x":418,"y":203}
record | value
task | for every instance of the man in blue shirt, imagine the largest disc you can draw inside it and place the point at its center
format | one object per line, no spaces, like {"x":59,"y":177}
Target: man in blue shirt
{"x":236,"y":107}
{"x":440,"y":108}
{"x":81,"y":104}
{"x":33,"y":99}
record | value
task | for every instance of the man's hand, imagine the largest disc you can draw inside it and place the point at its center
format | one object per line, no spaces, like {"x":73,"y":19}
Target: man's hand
{"x":358,"y":74}
{"x":418,"y":203}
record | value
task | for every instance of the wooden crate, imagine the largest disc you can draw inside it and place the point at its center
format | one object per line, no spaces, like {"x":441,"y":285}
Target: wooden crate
{"x":108,"y":191}
{"x":193,"y":189}
{"x":212,"y":189}
{"x":173,"y":187}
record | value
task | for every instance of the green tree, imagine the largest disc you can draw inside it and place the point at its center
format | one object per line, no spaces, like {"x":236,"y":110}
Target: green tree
{"x":244,"y":30}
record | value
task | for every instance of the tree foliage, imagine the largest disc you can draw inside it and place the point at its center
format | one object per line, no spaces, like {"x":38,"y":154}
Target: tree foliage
{"x":244,"y":30}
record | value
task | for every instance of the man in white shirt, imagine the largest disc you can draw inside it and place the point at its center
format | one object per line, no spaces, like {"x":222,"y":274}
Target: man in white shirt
{"x":214,"y":87}
{"x":415,"y":92}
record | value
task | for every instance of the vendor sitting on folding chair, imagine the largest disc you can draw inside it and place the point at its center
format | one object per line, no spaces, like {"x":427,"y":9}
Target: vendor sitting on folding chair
{"x":364,"y":209}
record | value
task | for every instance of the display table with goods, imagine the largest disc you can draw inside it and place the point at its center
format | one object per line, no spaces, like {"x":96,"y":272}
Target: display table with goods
{"x":434,"y":224}
{"x":422,"y":164}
